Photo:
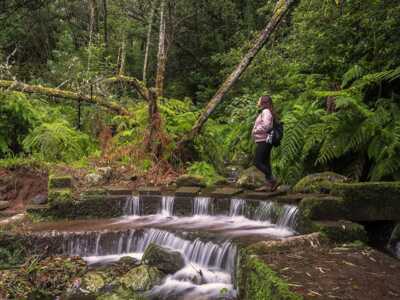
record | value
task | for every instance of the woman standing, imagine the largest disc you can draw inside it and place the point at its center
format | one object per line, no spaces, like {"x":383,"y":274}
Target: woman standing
{"x":262,"y":136}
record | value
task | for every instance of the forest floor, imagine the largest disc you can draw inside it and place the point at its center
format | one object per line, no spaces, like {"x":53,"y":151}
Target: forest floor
{"x":20,"y":186}
{"x":347,"y":272}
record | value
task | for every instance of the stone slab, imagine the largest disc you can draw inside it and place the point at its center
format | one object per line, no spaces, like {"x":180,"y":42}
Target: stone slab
{"x":226,"y":192}
{"x":289,"y":198}
{"x":119,"y":192}
{"x":149,"y":191}
{"x":263,"y":195}
{"x":187,"y":191}
{"x":4,"y":205}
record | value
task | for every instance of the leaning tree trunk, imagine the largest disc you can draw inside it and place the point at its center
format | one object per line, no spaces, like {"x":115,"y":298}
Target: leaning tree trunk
{"x":162,"y":53}
{"x":280,"y":10}
{"x":148,"y":43}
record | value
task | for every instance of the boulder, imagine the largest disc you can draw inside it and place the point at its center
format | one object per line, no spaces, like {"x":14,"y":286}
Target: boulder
{"x":93,"y":178}
{"x":191,"y":180}
{"x":94,"y":281}
{"x":251,"y":178}
{"x":394,"y":241}
{"x":318,"y":182}
{"x":141,"y":279}
{"x":166,"y":260}
{"x":105,"y":172}
{"x":39,"y":199}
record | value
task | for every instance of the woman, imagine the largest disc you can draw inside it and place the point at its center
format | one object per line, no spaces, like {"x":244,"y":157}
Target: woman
{"x":262,"y":136}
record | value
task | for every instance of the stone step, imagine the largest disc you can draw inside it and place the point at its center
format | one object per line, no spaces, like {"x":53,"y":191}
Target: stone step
{"x":187,"y":191}
{"x":4,"y":205}
{"x":225,"y":192}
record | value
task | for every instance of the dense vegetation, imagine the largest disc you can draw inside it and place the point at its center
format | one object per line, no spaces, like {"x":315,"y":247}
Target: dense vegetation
{"x":332,"y":67}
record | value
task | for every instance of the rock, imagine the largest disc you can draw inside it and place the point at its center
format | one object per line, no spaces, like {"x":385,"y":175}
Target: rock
{"x":343,"y":231}
{"x":94,"y":281}
{"x":121,"y":294}
{"x":105,"y":172}
{"x":164,"y":259}
{"x":39,"y":199}
{"x":394,"y":241}
{"x":251,"y":178}
{"x":93,"y":178}
{"x":318,"y":182}
{"x":128,"y":260}
{"x":141,"y":279}
{"x":60,"y":182}
{"x":4,"y":205}
{"x":191,"y":180}
{"x":57,"y":196}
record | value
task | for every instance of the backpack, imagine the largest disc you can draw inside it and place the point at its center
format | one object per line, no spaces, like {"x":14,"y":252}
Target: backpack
{"x":276,"y":134}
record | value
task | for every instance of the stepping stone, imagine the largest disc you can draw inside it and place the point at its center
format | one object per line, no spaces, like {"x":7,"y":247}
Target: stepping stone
{"x":290,"y":198}
{"x":119,"y":192}
{"x":60,"y":182}
{"x":149,"y":191}
{"x":4,"y":205}
{"x":187,"y":191}
{"x":263,"y":195}
{"x":226,"y":192}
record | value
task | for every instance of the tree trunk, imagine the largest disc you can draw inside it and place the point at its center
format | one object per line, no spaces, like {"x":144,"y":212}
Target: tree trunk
{"x":154,"y":143}
{"x":121,"y":70}
{"x":105,"y":23}
{"x":52,"y":92}
{"x":280,"y":10}
{"x":162,"y":53}
{"x":148,"y":42}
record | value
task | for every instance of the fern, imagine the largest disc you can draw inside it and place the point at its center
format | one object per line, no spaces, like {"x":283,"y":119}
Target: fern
{"x":354,"y":73}
{"x":57,"y":141}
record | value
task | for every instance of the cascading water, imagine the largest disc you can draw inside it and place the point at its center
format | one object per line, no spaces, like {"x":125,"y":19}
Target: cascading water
{"x":265,"y":211}
{"x":289,"y":217}
{"x":167,"y":206}
{"x":94,"y":245}
{"x":201,"y":206}
{"x":132,"y":206}
{"x":237,"y":207}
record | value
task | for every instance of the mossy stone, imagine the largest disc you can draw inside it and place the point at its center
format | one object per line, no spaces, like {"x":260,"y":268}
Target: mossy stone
{"x":257,"y":281}
{"x":141,"y":279}
{"x":323,"y":208}
{"x":94,"y":281}
{"x":164,"y":259}
{"x":251,"y":178}
{"x":318,"y":182}
{"x":343,"y":231}
{"x":57,"y":196}
{"x":121,"y":294}
{"x":60,"y":182}
{"x":191,"y":180}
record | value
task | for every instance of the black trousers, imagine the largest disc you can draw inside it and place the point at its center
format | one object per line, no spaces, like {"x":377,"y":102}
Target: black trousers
{"x":262,"y":159}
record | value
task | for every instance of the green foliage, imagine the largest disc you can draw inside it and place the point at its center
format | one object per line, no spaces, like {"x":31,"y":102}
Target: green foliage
{"x":57,"y":141}
{"x":17,"y":118}
{"x":206,"y":171}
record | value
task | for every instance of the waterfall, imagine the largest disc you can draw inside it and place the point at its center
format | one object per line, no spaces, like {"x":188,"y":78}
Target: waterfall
{"x":201,"y":206}
{"x":167,"y":206}
{"x":132,"y":206}
{"x":265,"y":212}
{"x":289,"y":217}
{"x":237,"y":207}
{"x":206,"y":254}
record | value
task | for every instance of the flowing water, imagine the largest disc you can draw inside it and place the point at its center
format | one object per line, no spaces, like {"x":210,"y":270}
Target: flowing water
{"x":205,"y":240}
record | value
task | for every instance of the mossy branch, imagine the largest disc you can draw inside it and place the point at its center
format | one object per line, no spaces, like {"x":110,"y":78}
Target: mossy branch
{"x":138,"y":85}
{"x":53,"y":92}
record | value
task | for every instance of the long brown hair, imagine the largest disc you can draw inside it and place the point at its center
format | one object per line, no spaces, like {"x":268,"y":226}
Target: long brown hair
{"x":266,"y":103}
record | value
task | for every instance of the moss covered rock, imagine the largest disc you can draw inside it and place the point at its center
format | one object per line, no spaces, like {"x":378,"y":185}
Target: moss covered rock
{"x":191,"y":180}
{"x":343,"y":231}
{"x":251,"y":178}
{"x":327,"y":208}
{"x":60,"y":182}
{"x":257,"y":281}
{"x":121,"y":294}
{"x":141,"y":279}
{"x":57,"y":196}
{"x":94,"y":281}
{"x":318,"y":182}
{"x":164,"y":259}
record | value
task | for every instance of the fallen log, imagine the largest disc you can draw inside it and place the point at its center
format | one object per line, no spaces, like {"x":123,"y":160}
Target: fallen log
{"x":54,"y":92}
